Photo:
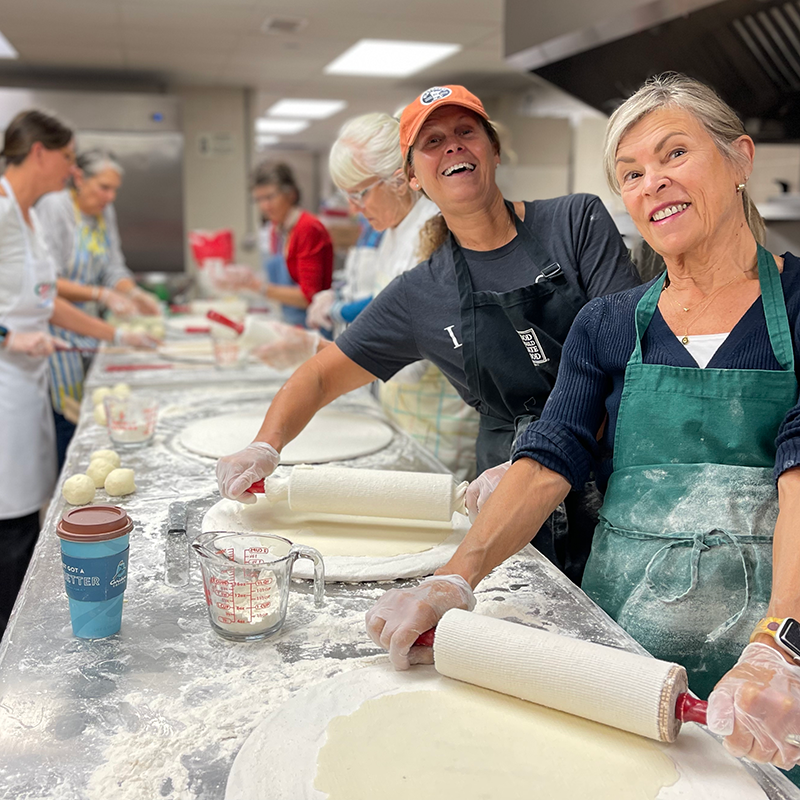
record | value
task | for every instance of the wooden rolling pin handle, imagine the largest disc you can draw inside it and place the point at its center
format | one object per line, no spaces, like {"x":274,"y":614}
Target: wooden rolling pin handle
{"x":691,"y":709}
{"x":215,"y":316}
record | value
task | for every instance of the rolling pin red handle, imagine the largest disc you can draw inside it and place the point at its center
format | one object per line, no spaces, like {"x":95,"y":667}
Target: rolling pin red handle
{"x":425,"y":639}
{"x":691,"y":709}
{"x":257,"y":487}
{"x":215,"y":316}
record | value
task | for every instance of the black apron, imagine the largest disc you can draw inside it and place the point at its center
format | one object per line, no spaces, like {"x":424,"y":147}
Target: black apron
{"x":512,"y":344}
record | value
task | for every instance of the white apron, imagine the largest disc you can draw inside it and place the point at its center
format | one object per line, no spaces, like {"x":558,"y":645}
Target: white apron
{"x":27,"y":433}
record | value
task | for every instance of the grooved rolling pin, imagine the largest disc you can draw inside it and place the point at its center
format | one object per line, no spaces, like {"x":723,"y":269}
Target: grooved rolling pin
{"x":367,"y":492}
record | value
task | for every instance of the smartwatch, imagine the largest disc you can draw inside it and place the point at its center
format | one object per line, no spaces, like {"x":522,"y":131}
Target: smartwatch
{"x":786,"y":633}
{"x":3,"y":335}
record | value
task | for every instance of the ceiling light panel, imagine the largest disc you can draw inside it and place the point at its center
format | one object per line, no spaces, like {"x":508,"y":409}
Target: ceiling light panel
{"x":386,"y":58}
{"x":284,"y":126}
{"x":266,"y":140}
{"x":306,"y":109}
{"x":6,"y":50}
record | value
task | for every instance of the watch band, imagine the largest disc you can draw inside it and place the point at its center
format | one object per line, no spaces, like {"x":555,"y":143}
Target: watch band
{"x":3,"y":335}
{"x":768,"y":625}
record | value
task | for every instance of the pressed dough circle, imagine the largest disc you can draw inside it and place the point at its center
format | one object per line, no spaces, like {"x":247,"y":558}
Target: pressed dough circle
{"x":330,"y":436}
{"x":297,"y":735}
{"x":354,"y":548}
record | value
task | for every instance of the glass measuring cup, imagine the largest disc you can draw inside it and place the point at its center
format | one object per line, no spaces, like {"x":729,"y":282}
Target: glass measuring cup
{"x":246,"y":579}
{"x":131,"y":420}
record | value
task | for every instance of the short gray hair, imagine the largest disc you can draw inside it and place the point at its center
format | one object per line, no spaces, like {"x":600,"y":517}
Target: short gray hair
{"x":367,"y":147}
{"x":93,"y":162}
{"x":277,"y":174}
{"x":674,"y":90}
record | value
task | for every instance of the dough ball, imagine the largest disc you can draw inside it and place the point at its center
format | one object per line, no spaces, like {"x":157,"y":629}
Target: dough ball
{"x":119,"y":482}
{"x":158,"y":330}
{"x":99,"y":470}
{"x":107,"y":455}
{"x":99,"y":394}
{"x":78,"y":490}
{"x":100,"y":415}
{"x":121,"y":390}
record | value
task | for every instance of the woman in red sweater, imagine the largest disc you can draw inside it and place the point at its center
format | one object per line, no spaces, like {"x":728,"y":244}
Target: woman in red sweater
{"x":296,"y":249}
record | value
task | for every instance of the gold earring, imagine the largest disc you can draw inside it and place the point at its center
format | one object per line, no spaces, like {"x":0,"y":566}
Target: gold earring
{"x":740,"y":188}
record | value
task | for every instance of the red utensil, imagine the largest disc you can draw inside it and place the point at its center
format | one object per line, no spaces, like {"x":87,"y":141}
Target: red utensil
{"x":215,"y":316}
{"x":135,"y":367}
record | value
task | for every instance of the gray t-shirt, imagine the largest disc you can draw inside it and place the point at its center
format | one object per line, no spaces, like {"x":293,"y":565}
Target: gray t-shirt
{"x":417,"y":315}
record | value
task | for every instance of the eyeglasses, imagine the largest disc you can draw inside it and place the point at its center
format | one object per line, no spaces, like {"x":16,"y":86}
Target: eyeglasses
{"x":357,"y":198}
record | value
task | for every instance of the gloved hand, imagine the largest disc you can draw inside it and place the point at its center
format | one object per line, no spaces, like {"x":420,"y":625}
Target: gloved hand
{"x":757,"y":705}
{"x":401,"y":615}
{"x":35,"y":343}
{"x":122,"y":305}
{"x":479,"y":491}
{"x":238,"y":472}
{"x":318,"y":314}
{"x":146,"y":303}
{"x":135,"y":339}
{"x":236,"y":277}
{"x":295,"y":347}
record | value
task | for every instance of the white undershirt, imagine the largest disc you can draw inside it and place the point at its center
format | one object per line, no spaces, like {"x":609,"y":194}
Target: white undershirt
{"x":702,"y":348}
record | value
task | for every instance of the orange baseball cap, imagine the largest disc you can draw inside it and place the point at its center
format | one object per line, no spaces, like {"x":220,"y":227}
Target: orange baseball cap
{"x":415,"y":114}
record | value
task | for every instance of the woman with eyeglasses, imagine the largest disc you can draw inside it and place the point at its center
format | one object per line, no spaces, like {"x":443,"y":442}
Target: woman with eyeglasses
{"x":296,"y":247}
{"x":491,"y":307}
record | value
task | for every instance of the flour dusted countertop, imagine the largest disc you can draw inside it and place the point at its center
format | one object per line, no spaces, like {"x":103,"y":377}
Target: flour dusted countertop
{"x":161,"y":710}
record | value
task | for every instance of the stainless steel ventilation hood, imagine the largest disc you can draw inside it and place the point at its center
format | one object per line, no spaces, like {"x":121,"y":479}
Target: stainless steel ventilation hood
{"x":602,"y":50}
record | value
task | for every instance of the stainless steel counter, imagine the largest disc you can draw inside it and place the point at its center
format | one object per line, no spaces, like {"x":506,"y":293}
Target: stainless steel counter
{"x":161,"y":709}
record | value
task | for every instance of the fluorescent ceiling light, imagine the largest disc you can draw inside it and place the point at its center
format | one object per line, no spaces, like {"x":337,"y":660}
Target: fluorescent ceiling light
{"x":265,"y":140}
{"x":6,"y":50}
{"x":389,"y":59}
{"x":285,"y":126}
{"x":306,"y":109}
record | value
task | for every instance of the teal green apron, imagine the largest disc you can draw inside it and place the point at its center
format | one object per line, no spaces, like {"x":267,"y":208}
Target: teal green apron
{"x":682,"y":555}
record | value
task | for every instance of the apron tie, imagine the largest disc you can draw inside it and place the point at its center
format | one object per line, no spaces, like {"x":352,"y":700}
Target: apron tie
{"x":699,"y":545}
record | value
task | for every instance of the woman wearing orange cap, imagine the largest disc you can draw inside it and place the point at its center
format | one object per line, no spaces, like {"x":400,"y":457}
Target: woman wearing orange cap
{"x":491,"y":307}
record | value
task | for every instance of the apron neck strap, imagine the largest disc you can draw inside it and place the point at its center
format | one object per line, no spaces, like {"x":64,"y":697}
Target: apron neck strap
{"x":769,"y":278}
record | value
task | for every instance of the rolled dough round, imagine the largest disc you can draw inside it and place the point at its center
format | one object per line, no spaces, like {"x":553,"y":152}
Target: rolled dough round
{"x":525,"y":750}
{"x":355,"y":548}
{"x":330,"y":436}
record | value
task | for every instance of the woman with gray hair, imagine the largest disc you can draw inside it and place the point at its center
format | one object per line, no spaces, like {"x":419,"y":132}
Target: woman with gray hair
{"x":80,"y":228}
{"x":366,"y":163}
{"x":691,"y":382}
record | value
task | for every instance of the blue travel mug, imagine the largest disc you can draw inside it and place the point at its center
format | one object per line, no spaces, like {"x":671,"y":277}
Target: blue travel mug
{"x":94,"y":557}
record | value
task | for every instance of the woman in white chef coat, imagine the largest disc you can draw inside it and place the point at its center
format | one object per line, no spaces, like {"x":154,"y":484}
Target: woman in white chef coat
{"x":80,"y":229}
{"x":366,"y":163}
{"x":40,"y":155}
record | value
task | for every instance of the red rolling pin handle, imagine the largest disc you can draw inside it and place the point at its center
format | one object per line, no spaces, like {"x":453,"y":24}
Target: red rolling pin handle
{"x":257,"y":487}
{"x":687,"y":708}
{"x":691,"y":709}
{"x":223,"y":320}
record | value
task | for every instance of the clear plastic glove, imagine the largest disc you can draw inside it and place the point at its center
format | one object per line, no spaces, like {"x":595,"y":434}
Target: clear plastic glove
{"x":236,"y":473}
{"x":121,"y":304}
{"x":35,"y":343}
{"x":401,"y":615}
{"x":479,"y":491}
{"x":138,"y":339}
{"x":757,"y":705}
{"x":318,"y":314}
{"x":295,"y":347}
{"x":146,"y":303}
{"x":235,"y":278}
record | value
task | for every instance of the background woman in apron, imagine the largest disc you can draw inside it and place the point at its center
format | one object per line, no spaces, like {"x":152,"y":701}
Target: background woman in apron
{"x":40,"y":155}
{"x":696,"y":376}
{"x":490,"y":308}
{"x":296,"y":248}
{"x":80,"y":228}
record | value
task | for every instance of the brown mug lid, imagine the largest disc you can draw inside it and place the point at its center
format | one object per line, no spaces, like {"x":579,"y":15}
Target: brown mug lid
{"x":94,"y":523}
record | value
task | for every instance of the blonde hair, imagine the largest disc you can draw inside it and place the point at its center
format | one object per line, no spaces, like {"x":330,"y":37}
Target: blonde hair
{"x":367,"y":147}
{"x":673,"y":90}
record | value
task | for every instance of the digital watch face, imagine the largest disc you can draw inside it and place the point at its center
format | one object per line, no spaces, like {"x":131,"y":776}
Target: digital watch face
{"x":789,"y":634}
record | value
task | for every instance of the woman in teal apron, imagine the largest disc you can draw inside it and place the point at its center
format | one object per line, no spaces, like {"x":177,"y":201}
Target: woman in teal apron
{"x":683,"y":397}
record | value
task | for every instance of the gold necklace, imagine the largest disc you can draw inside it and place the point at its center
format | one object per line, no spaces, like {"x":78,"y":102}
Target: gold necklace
{"x":703,"y":304}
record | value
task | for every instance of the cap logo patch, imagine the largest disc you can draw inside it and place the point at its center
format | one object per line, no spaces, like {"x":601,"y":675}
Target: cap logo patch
{"x":433,"y":94}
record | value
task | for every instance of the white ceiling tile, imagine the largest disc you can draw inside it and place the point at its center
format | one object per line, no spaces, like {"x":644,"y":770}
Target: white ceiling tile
{"x":158,"y":38}
{"x":173,"y":60}
{"x":49,"y":54}
{"x":180,"y":18}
